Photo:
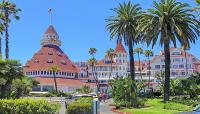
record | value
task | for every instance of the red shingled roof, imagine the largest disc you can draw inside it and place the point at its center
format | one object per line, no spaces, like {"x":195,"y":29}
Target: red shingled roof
{"x":50,"y":55}
{"x":51,"y":30}
{"x":120,"y":48}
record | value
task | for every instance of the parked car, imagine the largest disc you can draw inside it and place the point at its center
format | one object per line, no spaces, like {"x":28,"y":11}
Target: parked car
{"x":196,"y":110}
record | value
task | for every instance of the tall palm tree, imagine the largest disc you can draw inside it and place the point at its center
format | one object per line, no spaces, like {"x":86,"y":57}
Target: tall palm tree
{"x":139,"y":51}
{"x":148,"y":54}
{"x":92,"y":51}
{"x":1,"y":34}
{"x":123,"y":26}
{"x":55,"y":69}
{"x":92,"y":61}
{"x":185,"y":48}
{"x":171,"y":21}
{"x":110,"y":54}
{"x":8,"y":9}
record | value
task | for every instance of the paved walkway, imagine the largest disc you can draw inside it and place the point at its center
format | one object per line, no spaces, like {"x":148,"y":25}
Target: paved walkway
{"x":105,"y":108}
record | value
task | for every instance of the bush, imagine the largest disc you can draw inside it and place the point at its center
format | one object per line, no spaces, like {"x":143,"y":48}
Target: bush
{"x":81,"y":106}
{"x":176,"y":106}
{"x":27,"y":106}
{"x":186,"y":100}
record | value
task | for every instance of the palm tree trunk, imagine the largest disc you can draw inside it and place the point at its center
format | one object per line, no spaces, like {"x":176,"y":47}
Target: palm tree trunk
{"x":95,"y":78}
{"x":140,"y":67}
{"x":186,"y":67}
{"x":6,"y":88}
{"x":7,"y":35}
{"x":0,"y":47}
{"x":149,"y":71}
{"x":167,"y":70}
{"x":54,"y":76}
{"x":132,"y":66}
{"x":109,"y":76}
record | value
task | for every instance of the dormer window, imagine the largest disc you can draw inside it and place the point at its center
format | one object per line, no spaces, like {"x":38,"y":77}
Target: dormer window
{"x":41,"y":53}
{"x":63,"y":62}
{"x":59,"y":54}
{"x":49,"y":61}
{"x":36,"y":61}
{"x":50,"y":53}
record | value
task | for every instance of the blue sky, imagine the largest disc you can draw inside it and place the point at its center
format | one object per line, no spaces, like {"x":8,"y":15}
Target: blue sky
{"x":79,"y":23}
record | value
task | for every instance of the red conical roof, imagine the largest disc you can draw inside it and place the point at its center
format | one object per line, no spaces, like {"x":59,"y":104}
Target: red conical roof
{"x":51,"y":30}
{"x":120,"y":48}
{"x":48,"y":56}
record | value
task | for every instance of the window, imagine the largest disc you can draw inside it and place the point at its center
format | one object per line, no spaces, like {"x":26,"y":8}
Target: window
{"x":163,"y":66}
{"x":176,"y":53}
{"x":36,"y":61}
{"x":181,"y":66}
{"x":177,"y":60}
{"x":182,"y":73}
{"x":157,"y":66}
{"x":49,"y":61}
{"x":175,"y":66}
{"x":50,"y":53}
{"x":41,"y":72}
{"x":63,"y":62}
{"x":44,"y":72}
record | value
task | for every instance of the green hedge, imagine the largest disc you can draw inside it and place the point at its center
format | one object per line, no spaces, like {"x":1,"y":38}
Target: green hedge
{"x":27,"y":106}
{"x":81,"y":106}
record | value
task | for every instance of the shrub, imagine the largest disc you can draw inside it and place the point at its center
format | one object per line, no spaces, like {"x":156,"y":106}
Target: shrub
{"x":176,"y":106}
{"x":27,"y":106}
{"x":186,"y":100}
{"x":81,"y":106}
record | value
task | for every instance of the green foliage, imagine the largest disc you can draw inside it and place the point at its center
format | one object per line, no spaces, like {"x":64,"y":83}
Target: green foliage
{"x":81,"y":106}
{"x":186,"y":100}
{"x":27,"y":106}
{"x":122,"y":92}
{"x":176,"y":106}
{"x":22,"y":87}
{"x":156,"y":106}
{"x":84,"y":89}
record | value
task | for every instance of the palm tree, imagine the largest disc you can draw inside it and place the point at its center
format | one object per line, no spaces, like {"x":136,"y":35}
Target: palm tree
{"x":8,"y":9}
{"x":1,"y":33}
{"x":123,"y":26}
{"x":185,"y":48}
{"x":110,"y":54}
{"x":92,"y":62}
{"x":148,"y":54}
{"x":55,"y":69}
{"x":9,"y":70}
{"x":139,"y":51}
{"x":92,"y":51}
{"x":171,"y":21}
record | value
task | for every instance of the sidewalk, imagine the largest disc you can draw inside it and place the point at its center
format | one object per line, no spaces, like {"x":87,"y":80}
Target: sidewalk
{"x":105,"y":108}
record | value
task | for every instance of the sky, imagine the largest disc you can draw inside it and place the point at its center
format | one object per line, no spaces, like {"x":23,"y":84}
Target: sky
{"x":79,"y":23}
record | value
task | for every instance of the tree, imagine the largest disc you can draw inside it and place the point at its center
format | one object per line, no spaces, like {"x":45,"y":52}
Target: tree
{"x":92,"y":51}
{"x":22,"y":87}
{"x":9,"y":71}
{"x":139,"y":51}
{"x":110,"y":54}
{"x":198,"y":1}
{"x":92,"y":62}
{"x":171,"y":21}
{"x":123,"y":26}
{"x":8,"y":9}
{"x":185,"y":47}
{"x":1,"y":33}
{"x":54,"y":69}
{"x":148,"y":54}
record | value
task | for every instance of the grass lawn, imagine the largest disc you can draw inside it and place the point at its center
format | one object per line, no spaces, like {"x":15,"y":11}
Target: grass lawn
{"x":156,"y":106}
